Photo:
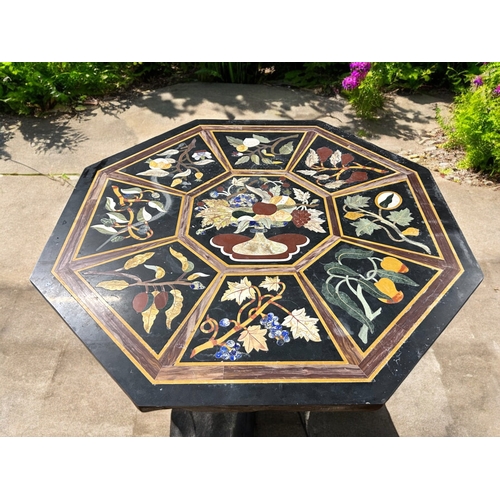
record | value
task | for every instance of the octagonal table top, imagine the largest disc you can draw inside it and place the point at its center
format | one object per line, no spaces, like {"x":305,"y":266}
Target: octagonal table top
{"x":245,"y":264}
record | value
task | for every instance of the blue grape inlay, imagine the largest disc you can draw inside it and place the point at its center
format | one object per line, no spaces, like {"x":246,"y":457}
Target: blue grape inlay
{"x":275,"y":329}
{"x":229,"y":351}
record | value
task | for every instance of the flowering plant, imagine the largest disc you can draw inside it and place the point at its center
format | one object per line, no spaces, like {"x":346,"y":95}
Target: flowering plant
{"x":359,"y":70}
{"x":475,"y":122}
{"x":363,"y":89}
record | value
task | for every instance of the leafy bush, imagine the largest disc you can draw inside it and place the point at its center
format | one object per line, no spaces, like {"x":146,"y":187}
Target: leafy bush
{"x":323,"y":75}
{"x":33,"y":87}
{"x":363,"y":87}
{"x":455,"y":76}
{"x":475,"y":122}
{"x":295,"y":74}
{"x":229,"y":72}
{"x":365,"y":91}
{"x":414,"y":76}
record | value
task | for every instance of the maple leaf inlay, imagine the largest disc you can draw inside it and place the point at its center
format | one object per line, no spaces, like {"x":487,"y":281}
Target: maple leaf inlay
{"x":254,"y":338}
{"x":239,"y":291}
{"x":302,"y":326}
{"x":401,"y":217}
{"x":271,"y":284}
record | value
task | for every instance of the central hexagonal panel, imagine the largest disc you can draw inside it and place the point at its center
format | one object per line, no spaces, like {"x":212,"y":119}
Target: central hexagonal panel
{"x":259,"y":218}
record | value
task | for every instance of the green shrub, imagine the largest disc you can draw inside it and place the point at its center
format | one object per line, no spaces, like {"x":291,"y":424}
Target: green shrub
{"x":34,"y":87}
{"x":229,"y":72}
{"x":322,"y":75}
{"x":475,"y":122}
{"x":365,"y":89}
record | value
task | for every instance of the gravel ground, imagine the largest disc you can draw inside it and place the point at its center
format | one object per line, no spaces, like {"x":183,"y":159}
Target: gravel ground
{"x":444,"y":161}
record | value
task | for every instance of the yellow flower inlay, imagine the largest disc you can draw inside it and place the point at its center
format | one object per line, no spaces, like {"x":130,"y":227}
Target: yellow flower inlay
{"x":387,"y":286}
{"x":392,"y":264}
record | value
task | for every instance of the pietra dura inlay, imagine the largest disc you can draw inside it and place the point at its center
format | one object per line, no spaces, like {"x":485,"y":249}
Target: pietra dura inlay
{"x":241,"y":264}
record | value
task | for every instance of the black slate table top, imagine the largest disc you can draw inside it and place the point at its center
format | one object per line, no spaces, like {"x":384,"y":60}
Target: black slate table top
{"x":242,"y":264}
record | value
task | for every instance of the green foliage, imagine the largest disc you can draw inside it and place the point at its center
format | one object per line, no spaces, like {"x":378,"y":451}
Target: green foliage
{"x":456,"y":76}
{"x":475,"y":122}
{"x":368,"y":98}
{"x":34,"y":87}
{"x":230,"y":72}
{"x":414,"y":76}
{"x":410,"y":76}
{"x":323,"y":75}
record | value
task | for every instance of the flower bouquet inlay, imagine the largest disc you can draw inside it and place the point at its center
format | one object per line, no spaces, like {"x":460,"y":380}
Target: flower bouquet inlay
{"x":256,"y":206}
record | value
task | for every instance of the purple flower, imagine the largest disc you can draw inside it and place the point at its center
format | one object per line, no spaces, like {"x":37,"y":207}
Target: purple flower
{"x":359,"y":75}
{"x":359,"y":70}
{"x":351,"y":82}
{"x":361,"y":67}
{"x":496,"y":90}
{"x":478,"y":81}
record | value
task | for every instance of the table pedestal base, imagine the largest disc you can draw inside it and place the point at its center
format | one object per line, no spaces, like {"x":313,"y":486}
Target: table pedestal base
{"x":185,"y":423}
{"x":375,"y":422}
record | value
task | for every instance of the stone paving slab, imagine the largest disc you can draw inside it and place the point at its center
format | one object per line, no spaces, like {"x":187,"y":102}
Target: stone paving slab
{"x":50,"y":385}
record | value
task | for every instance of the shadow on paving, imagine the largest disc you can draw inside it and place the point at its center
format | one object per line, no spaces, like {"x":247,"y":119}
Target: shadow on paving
{"x":6,"y":134}
{"x":50,"y":134}
{"x":233,"y":100}
{"x":42,"y":134}
{"x":54,"y":133}
{"x":189,"y":98}
{"x":374,"y":423}
{"x":396,"y":120}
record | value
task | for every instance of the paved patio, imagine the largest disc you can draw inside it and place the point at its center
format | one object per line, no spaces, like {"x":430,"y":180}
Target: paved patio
{"x":50,"y":385}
